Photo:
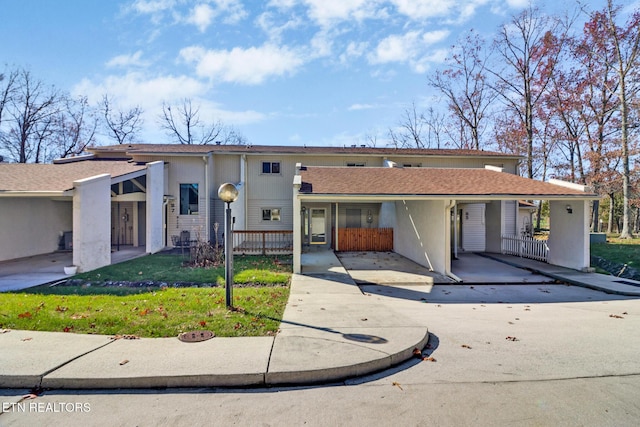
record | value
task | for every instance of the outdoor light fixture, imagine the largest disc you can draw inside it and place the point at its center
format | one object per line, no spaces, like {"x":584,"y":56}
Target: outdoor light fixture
{"x":228,"y":193}
{"x":569,"y":209}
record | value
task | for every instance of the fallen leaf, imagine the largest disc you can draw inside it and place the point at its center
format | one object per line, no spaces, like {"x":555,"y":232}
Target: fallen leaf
{"x":124,"y":362}
{"x":624,"y":312}
{"x":27,"y":339}
{"x":67,"y":329}
{"x":417,"y":353}
{"x":397,"y":384}
{"x":30,"y":396}
{"x":24,"y":315}
{"x":512,"y":339}
{"x":615,"y":316}
{"x":466,"y":346}
{"x":428,"y":359}
{"x":364,"y":319}
{"x":4,"y":331}
{"x":61,"y":309}
{"x":203,"y":323}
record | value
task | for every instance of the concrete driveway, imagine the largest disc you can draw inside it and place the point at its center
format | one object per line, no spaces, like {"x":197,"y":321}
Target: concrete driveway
{"x":22,"y":273}
{"x":474,"y":268}
{"x":390,"y":268}
{"x":387,"y":268}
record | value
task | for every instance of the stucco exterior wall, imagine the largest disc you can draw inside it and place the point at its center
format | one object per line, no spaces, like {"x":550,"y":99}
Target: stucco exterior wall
{"x":421,"y":233}
{"x":32,"y":226}
{"x":569,"y":234}
{"x":92,"y":223}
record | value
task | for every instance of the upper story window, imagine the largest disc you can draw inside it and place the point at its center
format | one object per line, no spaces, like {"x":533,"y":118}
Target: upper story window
{"x":188,"y":199}
{"x":271,"y":214}
{"x":271,"y":167}
{"x":356,"y":164}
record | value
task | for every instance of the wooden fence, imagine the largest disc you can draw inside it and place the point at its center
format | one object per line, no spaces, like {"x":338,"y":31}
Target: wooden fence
{"x":263,"y":242}
{"x":525,"y":247}
{"x":365,"y":239}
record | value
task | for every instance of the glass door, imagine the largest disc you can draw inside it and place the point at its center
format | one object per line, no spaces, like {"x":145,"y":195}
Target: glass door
{"x":318,"y":226}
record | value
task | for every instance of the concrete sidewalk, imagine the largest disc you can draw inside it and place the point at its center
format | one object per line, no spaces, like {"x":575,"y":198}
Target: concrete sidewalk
{"x":330,"y":331}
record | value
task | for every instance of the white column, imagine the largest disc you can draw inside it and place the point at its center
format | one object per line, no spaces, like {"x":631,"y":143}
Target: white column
{"x":155,"y":194}
{"x":92,"y":222}
{"x":569,"y":234}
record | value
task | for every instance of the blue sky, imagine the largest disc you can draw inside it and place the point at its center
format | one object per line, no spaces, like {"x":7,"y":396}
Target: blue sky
{"x":283,"y":72}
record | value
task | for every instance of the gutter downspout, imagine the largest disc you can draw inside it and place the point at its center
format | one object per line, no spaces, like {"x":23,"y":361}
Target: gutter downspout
{"x":243,"y":181}
{"x":207,"y":221}
{"x":448,"y":272}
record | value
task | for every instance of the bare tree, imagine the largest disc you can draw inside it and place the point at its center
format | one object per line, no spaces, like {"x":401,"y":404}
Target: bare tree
{"x":410,"y":130}
{"x":436,"y":127}
{"x":7,"y":89}
{"x":75,"y":127}
{"x":624,"y":44}
{"x":529,"y":48}
{"x":122,"y":125}
{"x":183,"y":123}
{"x":464,"y":85}
{"x":29,"y":112}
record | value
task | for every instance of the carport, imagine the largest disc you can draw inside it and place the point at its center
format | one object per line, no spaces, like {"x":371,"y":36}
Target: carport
{"x":419,"y":204}
{"x":39,"y":203}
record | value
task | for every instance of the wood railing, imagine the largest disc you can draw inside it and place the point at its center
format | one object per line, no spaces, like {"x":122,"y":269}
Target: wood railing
{"x":263,"y":242}
{"x":365,"y":239}
{"x":525,"y":247}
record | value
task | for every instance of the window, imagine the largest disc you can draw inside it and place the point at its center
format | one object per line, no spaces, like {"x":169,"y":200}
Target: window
{"x":188,"y":199}
{"x":356,"y":164}
{"x":271,"y":214}
{"x":271,"y":168}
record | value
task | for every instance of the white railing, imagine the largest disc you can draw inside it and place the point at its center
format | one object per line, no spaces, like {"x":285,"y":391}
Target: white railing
{"x":525,"y":247}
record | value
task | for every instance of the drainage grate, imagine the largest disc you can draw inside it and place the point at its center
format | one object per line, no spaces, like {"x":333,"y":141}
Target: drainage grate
{"x":625,"y":282}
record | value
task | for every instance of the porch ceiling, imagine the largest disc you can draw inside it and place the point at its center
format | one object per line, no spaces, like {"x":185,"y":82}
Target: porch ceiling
{"x":344,"y":183}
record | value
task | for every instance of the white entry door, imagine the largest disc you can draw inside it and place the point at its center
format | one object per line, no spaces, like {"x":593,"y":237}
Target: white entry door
{"x":318,"y":226}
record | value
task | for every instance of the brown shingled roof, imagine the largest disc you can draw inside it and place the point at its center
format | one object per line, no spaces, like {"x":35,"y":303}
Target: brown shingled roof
{"x":286,"y":149}
{"x":58,"y":177}
{"x":424,"y":182}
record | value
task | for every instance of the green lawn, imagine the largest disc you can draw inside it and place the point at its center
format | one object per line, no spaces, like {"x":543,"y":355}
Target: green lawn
{"x":157,"y":311}
{"x":622,"y":251}
{"x":168,"y":268}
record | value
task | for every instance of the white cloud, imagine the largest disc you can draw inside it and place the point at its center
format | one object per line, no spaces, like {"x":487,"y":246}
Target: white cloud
{"x":201,"y":16}
{"x":327,"y":12}
{"x":252,"y":65}
{"x":152,"y":6}
{"x":127,"y":60}
{"x":275,"y":30}
{"x":396,"y":48}
{"x":353,"y":50}
{"x":358,"y":107}
{"x":408,"y":48}
{"x":432,"y":37}
{"x":420,"y":9}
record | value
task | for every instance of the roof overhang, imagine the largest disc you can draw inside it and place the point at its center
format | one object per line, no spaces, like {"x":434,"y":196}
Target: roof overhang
{"x":459,"y":184}
{"x":457,"y":197}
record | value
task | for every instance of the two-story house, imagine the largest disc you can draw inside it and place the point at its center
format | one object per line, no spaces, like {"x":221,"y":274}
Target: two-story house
{"x":425,"y":204}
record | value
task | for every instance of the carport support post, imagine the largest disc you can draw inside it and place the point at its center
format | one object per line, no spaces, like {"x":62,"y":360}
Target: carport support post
{"x":92,"y":222}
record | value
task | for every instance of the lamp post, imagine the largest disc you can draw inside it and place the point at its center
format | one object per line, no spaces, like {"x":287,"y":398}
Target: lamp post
{"x":228,"y":193}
